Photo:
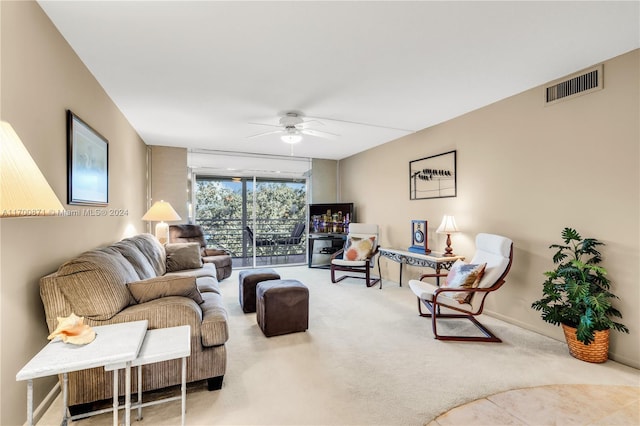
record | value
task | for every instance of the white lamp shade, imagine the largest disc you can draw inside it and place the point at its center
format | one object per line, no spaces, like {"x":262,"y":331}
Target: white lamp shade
{"x":161,"y":211}
{"x":448,"y":225}
{"x":24,"y":191}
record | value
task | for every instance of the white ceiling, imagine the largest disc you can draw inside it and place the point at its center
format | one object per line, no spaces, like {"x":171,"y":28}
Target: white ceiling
{"x":194,"y":74}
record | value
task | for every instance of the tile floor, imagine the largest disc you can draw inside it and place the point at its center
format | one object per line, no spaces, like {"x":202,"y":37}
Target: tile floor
{"x":550,"y":405}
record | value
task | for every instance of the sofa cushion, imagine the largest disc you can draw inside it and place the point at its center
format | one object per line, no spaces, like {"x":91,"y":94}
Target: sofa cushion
{"x":155,"y":288}
{"x":208,"y":285}
{"x":151,"y":248}
{"x":182,"y":256}
{"x":138,"y":260}
{"x":95,"y":283}
{"x":207,"y":270}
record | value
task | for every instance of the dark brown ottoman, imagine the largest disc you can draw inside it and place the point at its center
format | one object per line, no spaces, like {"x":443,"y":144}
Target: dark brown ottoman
{"x":248,"y":280}
{"x":282,"y":307}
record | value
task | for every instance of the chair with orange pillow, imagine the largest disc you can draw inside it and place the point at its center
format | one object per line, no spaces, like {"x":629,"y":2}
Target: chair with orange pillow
{"x":357,"y":255}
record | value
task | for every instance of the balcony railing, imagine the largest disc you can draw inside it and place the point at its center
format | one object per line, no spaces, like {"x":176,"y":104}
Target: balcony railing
{"x":230,"y":234}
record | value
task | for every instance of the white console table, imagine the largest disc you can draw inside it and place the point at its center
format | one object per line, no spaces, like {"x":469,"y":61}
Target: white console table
{"x":161,"y":344}
{"x":436,"y":261}
{"x":115,"y":343}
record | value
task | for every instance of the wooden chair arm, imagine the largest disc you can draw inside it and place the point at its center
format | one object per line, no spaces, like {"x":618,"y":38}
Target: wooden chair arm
{"x":432,"y":276}
{"x":472,"y":289}
{"x":460,"y":289}
{"x":336,"y":254}
{"x":373,"y":254}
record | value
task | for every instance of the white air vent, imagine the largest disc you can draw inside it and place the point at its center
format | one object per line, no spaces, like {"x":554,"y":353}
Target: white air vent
{"x":574,"y":85}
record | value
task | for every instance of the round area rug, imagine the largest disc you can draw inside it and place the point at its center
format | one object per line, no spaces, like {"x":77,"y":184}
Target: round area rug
{"x":550,"y":405}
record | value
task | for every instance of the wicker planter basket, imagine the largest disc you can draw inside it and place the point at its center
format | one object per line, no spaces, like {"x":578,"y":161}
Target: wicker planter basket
{"x":597,"y":351}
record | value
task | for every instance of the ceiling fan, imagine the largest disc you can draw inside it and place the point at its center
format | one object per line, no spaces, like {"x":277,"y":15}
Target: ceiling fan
{"x":292,"y":127}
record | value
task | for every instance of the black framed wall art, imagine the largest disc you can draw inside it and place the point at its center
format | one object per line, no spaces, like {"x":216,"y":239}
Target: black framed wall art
{"x":87,"y":164}
{"x":433,"y":177}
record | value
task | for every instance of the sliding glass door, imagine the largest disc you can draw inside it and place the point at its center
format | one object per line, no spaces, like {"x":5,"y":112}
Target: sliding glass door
{"x":260,"y":221}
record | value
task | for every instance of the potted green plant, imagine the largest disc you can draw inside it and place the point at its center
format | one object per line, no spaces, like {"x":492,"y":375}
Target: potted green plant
{"x":576,"y":295}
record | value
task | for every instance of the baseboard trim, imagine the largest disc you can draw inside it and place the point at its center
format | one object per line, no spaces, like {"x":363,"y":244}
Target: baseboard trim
{"x":612,"y":356}
{"x":520,"y":324}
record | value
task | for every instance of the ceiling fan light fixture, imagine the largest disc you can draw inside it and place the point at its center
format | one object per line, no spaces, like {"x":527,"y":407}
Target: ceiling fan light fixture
{"x":291,"y":138}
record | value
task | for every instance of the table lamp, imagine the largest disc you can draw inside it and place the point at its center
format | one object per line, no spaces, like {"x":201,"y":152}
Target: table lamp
{"x":448,"y":226}
{"x":24,"y":191}
{"x":160,"y":212}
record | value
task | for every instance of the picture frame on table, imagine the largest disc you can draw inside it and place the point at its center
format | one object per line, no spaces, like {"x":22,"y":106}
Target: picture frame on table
{"x":87,"y":164}
{"x":433,"y":177}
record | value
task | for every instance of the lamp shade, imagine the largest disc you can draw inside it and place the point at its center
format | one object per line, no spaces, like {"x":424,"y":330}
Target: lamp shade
{"x":448,"y":225}
{"x":24,"y":191}
{"x":161,"y":211}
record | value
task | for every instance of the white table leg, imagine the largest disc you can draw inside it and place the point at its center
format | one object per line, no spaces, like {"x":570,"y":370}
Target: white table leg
{"x":127,"y":395}
{"x":115,"y":397}
{"x":65,"y":397}
{"x":30,"y":402}
{"x":184,"y":388}
{"x":139,"y":392}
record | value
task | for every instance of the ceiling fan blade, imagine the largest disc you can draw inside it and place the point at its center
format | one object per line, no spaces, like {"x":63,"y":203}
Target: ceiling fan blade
{"x":265,"y":124}
{"x":304,"y":124}
{"x":319,"y":133}
{"x":264,"y":134}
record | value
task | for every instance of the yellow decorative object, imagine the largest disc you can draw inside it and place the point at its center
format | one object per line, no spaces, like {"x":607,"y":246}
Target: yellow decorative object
{"x":72,"y":329}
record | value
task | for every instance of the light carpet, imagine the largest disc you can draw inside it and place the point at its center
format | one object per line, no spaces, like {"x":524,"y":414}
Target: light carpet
{"x":367,"y":359}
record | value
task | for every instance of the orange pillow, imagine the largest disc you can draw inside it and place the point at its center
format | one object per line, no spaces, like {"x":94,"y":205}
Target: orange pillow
{"x":359,"y":248}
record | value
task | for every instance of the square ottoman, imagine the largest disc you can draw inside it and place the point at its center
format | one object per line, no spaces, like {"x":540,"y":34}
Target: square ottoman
{"x":282,"y":307}
{"x":248,"y":280}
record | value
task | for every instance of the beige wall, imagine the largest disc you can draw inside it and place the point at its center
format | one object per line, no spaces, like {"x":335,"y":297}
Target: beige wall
{"x":324,"y":181}
{"x":169,"y":180}
{"x":41,"y":77}
{"x":525,"y":171}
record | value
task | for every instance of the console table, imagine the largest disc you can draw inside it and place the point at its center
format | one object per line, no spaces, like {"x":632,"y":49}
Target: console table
{"x":436,"y":261}
{"x":113,"y":344}
{"x":161,"y":344}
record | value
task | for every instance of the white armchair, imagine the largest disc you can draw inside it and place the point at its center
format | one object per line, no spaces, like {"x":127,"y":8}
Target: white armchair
{"x":493,"y":250}
{"x":357,"y":256}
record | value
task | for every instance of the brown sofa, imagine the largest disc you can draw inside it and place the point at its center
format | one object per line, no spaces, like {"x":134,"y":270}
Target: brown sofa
{"x":137,"y":279}
{"x":193,"y":233}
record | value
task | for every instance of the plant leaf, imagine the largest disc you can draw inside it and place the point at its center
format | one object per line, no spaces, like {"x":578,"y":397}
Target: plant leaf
{"x":570,"y":234}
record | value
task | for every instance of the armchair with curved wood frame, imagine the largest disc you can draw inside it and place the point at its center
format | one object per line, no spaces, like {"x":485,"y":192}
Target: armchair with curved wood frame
{"x":356,"y":230}
{"x":494,"y":250}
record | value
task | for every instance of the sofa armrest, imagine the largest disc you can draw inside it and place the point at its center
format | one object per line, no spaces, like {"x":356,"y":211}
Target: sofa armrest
{"x":215,"y":330}
{"x":208,"y":320}
{"x":165,"y":312}
{"x":213,"y":252}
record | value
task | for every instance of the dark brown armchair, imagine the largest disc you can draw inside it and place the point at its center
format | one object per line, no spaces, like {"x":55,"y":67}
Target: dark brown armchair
{"x":193,"y":234}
